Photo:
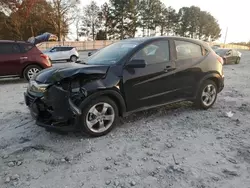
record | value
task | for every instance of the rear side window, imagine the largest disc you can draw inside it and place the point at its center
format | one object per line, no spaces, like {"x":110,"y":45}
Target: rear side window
{"x":66,"y":48}
{"x":9,"y":48}
{"x":230,"y":53}
{"x":187,"y":50}
{"x":56,"y":49}
{"x":27,"y":47}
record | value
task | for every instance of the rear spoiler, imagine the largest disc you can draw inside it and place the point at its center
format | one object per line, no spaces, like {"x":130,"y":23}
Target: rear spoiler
{"x":42,"y":38}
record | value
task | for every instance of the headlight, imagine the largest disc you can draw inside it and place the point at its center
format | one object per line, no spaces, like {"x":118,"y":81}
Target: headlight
{"x":38,"y":88}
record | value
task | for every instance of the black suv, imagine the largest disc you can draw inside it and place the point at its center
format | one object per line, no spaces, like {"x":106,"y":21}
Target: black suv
{"x":127,"y":76}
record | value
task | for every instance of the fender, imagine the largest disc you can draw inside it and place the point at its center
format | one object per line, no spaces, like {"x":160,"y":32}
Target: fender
{"x":213,"y":76}
{"x":116,"y":96}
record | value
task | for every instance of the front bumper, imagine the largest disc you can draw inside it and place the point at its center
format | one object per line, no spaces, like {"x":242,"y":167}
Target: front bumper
{"x":221,"y":84}
{"x":54,"y":110}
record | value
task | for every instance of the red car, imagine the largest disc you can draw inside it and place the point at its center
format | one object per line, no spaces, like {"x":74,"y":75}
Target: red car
{"x":23,"y":59}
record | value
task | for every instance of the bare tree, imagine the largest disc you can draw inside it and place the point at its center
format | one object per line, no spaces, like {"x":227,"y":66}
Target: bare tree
{"x":77,"y":23}
{"x":65,"y":14}
{"x":91,"y":20}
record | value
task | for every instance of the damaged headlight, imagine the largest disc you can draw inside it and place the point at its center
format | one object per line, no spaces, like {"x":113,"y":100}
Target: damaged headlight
{"x":38,"y":88}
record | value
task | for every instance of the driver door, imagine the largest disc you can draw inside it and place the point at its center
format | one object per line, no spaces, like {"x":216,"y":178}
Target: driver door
{"x":55,"y":53}
{"x":154,"y":84}
{"x":229,"y":56}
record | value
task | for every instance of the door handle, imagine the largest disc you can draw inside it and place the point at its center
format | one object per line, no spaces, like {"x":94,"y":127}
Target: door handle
{"x":169,"y":68}
{"x":23,"y":58}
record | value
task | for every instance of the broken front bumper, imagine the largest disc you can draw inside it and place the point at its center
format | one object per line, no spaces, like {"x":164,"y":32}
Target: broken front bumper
{"x":54,"y":110}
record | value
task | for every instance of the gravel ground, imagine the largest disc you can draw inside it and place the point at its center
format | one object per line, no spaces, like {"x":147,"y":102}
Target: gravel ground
{"x":174,"y":146}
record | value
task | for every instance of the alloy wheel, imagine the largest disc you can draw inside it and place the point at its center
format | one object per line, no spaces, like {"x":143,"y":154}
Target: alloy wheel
{"x":73,"y":59}
{"x":100,"y":117}
{"x":32,"y":72}
{"x":208,"y":95}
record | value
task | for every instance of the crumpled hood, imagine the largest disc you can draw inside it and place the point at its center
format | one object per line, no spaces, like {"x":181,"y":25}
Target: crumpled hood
{"x":61,"y":71}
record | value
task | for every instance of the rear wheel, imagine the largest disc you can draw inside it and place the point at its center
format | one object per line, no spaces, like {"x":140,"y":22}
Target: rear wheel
{"x":237,"y":60}
{"x":73,"y":58}
{"x":31,"y":71}
{"x":99,"y":116}
{"x":207,"y":95}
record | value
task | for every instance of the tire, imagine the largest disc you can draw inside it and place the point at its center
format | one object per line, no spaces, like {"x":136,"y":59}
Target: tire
{"x":237,"y":60}
{"x":225,"y":61}
{"x":205,"y":99}
{"x":73,"y":58}
{"x":30,"y":71}
{"x":91,"y":120}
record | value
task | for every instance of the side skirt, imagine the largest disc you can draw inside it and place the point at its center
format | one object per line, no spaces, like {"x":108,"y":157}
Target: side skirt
{"x":155,"y":106}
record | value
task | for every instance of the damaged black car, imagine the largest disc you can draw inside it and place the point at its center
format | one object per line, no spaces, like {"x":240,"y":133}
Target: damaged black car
{"x":127,"y":76}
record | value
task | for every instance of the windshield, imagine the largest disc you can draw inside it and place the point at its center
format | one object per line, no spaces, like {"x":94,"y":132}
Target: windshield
{"x":112,"y":53}
{"x":221,"y":51}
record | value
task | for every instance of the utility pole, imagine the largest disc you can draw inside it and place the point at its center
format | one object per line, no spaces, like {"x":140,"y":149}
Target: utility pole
{"x":225,"y":37}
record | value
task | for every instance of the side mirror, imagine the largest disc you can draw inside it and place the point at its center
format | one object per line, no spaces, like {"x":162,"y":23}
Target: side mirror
{"x":136,"y":63}
{"x":53,"y":50}
{"x":90,"y":54}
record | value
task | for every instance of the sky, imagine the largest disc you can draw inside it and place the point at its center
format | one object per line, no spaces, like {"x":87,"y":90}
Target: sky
{"x":230,"y":14}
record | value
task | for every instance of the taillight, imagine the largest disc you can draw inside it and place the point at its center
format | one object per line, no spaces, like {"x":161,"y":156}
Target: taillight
{"x":220,"y":59}
{"x":45,"y":56}
{"x":48,"y":63}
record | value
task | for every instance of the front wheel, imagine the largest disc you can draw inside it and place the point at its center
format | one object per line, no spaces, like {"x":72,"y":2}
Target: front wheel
{"x":99,"y":116}
{"x":30,"y":71}
{"x":207,"y":95}
{"x":73,"y":58}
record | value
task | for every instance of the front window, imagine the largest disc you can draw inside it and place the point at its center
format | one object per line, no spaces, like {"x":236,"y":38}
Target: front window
{"x":112,"y":53}
{"x":156,"y":52}
{"x":221,"y":52}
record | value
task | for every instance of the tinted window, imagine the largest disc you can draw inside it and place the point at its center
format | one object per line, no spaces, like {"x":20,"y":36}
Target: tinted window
{"x":229,"y":53}
{"x":8,"y":48}
{"x":156,"y":52}
{"x":68,"y":48}
{"x":187,"y":50}
{"x":221,"y":52}
{"x":27,"y":47}
{"x":56,"y":49}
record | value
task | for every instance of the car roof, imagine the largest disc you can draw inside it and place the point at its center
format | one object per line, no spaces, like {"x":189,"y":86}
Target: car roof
{"x":13,"y":41}
{"x":146,"y":39}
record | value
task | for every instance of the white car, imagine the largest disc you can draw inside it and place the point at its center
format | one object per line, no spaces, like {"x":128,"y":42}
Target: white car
{"x":59,"y":53}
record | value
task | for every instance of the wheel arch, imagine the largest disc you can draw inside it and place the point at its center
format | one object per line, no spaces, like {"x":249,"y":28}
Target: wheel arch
{"x":110,"y":93}
{"x":30,"y":64}
{"x":215,"y":77}
{"x":73,"y":55}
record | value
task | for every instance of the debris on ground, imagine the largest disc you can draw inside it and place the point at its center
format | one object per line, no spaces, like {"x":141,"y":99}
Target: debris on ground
{"x":229,"y":114}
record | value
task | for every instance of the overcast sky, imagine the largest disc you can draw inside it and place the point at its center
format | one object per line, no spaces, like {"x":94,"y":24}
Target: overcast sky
{"x":234,"y":15}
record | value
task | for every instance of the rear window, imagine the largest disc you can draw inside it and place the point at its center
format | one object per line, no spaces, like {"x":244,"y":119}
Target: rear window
{"x":187,"y":50}
{"x":9,"y":48}
{"x":27,"y":47}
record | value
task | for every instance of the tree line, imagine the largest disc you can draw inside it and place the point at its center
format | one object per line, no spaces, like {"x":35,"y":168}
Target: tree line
{"x":21,"y":19}
{"x":115,"y":19}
